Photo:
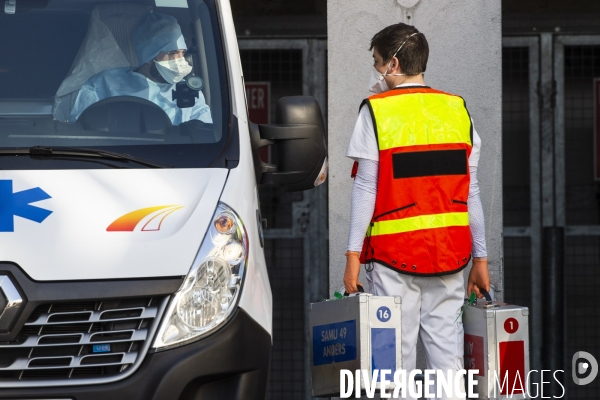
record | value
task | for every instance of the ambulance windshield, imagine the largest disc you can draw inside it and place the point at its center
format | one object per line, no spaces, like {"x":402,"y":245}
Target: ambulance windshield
{"x":145,"y":79}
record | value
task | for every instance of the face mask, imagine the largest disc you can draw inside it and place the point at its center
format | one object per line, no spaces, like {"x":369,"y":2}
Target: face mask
{"x":174,"y":70}
{"x":377,"y":83}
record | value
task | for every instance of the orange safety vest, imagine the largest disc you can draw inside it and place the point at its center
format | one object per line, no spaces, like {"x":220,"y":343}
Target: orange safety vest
{"x":420,"y":225}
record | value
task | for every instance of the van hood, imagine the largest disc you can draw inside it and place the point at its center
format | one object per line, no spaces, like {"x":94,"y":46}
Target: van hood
{"x":106,"y":224}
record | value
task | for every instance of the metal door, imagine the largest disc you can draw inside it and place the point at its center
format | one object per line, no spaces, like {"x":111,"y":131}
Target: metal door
{"x":296,"y":239}
{"x":548,"y":146}
{"x":521,"y":177}
{"x":577,"y":197}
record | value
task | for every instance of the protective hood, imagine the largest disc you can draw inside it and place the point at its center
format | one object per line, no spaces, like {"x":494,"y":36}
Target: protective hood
{"x":106,"y":224}
{"x":156,"y":33}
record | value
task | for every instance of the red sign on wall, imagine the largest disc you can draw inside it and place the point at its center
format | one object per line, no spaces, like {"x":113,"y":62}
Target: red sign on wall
{"x":258,"y":95}
{"x":597,"y":129}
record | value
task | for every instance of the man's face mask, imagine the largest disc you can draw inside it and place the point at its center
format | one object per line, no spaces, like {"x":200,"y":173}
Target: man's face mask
{"x":174,"y":70}
{"x":377,"y":83}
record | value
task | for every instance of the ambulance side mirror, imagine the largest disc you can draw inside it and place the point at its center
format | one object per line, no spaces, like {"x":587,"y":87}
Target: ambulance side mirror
{"x":298,"y":148}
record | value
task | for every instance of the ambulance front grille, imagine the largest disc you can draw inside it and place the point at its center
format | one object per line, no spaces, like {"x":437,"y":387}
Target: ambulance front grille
{"x":77,"y":341}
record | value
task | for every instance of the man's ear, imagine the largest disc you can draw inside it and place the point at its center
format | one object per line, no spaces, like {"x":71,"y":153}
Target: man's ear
{"x":395,"y":66}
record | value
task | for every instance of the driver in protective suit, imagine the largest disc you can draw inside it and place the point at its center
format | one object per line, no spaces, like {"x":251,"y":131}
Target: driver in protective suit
{"x":160,"y":48}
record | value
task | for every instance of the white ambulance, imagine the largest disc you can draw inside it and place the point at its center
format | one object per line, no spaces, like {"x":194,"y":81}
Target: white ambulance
{"x":131,"y":248}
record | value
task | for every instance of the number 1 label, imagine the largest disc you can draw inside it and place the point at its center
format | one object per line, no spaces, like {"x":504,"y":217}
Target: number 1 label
{"x":511,"y":325}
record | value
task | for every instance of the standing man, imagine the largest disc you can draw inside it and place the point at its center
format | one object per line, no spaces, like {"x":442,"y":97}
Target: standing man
{"x":416,"y":215}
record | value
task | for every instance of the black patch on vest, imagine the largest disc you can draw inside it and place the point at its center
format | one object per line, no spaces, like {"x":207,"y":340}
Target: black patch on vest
{"x":429,"y":163}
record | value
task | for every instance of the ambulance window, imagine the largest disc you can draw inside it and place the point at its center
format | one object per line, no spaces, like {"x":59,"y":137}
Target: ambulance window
{"x":37,"y":50}
{"x":70,"y":76}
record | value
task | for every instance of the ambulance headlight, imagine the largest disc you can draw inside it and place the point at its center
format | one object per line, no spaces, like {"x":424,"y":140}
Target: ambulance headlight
{"x":210,"y":291}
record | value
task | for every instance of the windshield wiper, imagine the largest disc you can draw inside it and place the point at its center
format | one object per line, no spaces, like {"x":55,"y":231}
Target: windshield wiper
{"x":80,"y":152}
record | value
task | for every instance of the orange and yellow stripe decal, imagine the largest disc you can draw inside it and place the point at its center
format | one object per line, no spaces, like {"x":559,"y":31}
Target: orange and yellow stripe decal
{"x":129,"y":221}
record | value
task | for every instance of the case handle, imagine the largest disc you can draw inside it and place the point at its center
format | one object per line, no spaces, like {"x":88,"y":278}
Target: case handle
{"x":360,"y":290}
{"x":486,"y":295}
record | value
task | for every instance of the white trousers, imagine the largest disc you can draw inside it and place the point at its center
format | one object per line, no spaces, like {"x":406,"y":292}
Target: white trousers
{"x":430,"y":306}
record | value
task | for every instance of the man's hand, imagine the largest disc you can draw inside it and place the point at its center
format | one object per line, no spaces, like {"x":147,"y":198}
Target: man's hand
{"x":352,"y":271}
{"x":479,"y":277}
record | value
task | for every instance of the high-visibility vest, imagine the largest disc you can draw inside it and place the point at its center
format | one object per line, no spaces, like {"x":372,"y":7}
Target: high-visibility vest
{"x":420,"y":225}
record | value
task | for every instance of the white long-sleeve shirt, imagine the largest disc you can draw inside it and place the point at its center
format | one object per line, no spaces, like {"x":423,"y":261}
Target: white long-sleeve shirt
{"x":364,"y":149}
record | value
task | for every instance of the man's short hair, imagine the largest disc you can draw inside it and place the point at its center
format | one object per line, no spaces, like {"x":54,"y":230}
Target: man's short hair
{"x":413,"y":55}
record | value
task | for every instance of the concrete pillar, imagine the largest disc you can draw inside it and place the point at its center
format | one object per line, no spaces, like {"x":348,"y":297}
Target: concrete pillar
{"x":465,"y":58}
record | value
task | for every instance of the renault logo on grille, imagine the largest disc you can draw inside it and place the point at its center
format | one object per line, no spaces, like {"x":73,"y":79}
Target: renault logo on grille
{"x":10,"y":303}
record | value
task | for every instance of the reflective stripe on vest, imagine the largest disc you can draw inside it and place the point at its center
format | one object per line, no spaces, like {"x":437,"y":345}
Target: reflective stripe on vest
{"x":421,"y":221}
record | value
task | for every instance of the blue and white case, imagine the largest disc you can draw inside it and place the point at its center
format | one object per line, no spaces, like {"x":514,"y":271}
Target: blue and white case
{"x":357,"y":332}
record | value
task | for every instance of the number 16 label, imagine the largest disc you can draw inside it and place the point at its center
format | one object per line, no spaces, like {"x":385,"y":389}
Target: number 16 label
{"x":384,"y":314}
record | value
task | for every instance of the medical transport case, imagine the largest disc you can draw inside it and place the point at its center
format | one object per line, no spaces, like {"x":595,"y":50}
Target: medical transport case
{"x":359,"y":332}
{"x":497,"y":344}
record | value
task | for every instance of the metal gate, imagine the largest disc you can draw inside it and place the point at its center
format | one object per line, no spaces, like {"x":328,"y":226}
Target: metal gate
{"x":296,"y":241}
{"x":549,"y":155}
